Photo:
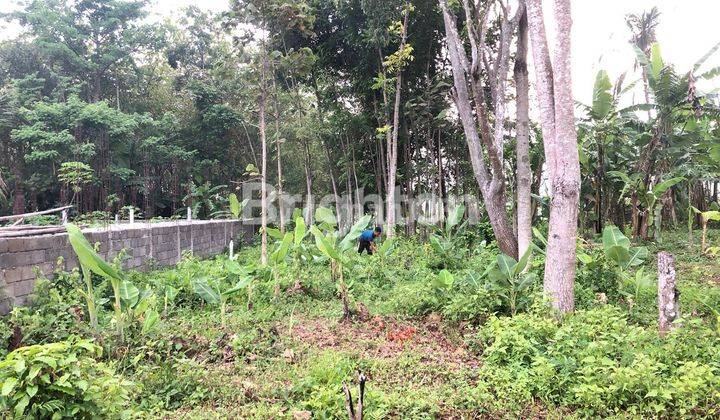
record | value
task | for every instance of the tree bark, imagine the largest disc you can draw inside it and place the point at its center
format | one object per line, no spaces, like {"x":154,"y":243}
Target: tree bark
{"x":263,"y":140}
{"x":491,"y":185}
{"x":524,"y":173}
{"x":392,"y":147}
{"x":281,"y":205}
{"x":668,"y":295}
{"x":554,"y":88}
{"x":309,"y":200}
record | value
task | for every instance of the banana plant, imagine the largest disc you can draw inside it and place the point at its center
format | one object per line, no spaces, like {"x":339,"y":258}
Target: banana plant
{"x":444,"y":241}
{"x":290,"y":245}
{"x":168,"y":293}
{"x":443,"y":281}
{"x":125,"y":293}
{"x":335,"y":249}
{"x":215,"y":291}
{"x":706,"y":217}
{"x":299,"y":250}
{"x":236,"y":206}
{"x":509,"y":279}
{"x":654,"y":206}
{"x":277,"y":258}
{"x":617,"y":248}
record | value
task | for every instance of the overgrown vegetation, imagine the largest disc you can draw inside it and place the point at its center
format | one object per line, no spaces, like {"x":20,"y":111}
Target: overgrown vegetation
{"x":549,"y":292}
{"x":431,"y":340}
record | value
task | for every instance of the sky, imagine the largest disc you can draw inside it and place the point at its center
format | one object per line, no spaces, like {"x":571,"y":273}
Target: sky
{"x":687,"y":30}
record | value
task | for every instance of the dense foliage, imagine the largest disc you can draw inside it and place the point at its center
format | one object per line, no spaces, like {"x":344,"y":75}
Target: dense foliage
{"x":606,"y":359}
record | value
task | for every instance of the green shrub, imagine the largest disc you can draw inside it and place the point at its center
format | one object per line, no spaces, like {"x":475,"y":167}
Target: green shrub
{"x":6,"y":332}
{"x":599,"y":276}
{"x":61,"y":380}
{"x":471,"y":305}
{"x":598,"y":363}
{"x":171,"y":384}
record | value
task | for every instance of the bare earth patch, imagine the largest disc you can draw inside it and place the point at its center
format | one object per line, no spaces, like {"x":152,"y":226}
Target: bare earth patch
{"x":384,"y":338}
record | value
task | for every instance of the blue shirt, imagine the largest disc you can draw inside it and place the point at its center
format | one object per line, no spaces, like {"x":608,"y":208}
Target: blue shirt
{"x":367,"y":235}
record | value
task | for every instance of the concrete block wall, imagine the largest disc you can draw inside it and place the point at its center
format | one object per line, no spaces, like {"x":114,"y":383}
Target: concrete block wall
{"x":160,"y":243}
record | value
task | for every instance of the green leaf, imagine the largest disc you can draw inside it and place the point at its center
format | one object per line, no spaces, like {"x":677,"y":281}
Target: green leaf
{"x":522,"y":262}
{"x":507,"y":265}
{"x":386,"y":247}
{"x":711,"y":215}
{"x":325,"y":215}
{"x":88,"y":257}
{"x":643,"y":60}
{"x":33,"y":372}
{"x":8,"y":386}
{"x":323,"y":244}
{"x":354,"y":233}
{"x":637,"y":256}
{"x":619,"y":254}
{"x":234,"y":267}
{"x":602,"y":96}
{"x":454,"y":217}
{"x":151,"y":319}
{"x":540,"y":237}
{"x":128,"y":293}
{"x":584,"y":258}
{"x":240,"y":285}
{"x":444,"y":280}
{"x":171,"y":293}
{"x":300,"y":230}
{"x":274,"y":233}
{"x":436,"y":244}
{"x":621,"y":175}
{"x":205,"y":291}
{"x":526,"y":282}
{"x":234,"y":205}
{"x":497,"y":277}
{"x":660,"y":188}
{"x":281,"y":252}
{"x":656,"y":61}
{"x":613,"y":237}
{"x":21,"y":406}
{"x":32,"y":390}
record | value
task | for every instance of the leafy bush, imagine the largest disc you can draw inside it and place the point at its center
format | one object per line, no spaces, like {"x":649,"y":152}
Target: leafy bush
{"x":61,"y":380}
{"x":598,"y":275}
{"x":171,"y":384}
{"x":5,"y":334}
{"x":53,"y":313}
{"x":601,"y":365}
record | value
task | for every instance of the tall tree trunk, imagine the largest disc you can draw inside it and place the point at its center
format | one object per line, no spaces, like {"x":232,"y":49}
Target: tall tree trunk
{"x":491,"y":185}
{"x":554,"y":88}
{"x":262,"y":102}
{"x":524,"y":173}
{"x":331,"y":164}
{"x":18,"y":206}
{"x":281,"y":205}
{"x":359,"y":211}
{"x":309,"y":200}
{"x":441,"y":181}
{"x":392,"y":147}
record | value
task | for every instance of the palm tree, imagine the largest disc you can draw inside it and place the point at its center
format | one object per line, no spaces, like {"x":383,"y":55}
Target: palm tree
{"x":642,"y":27}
